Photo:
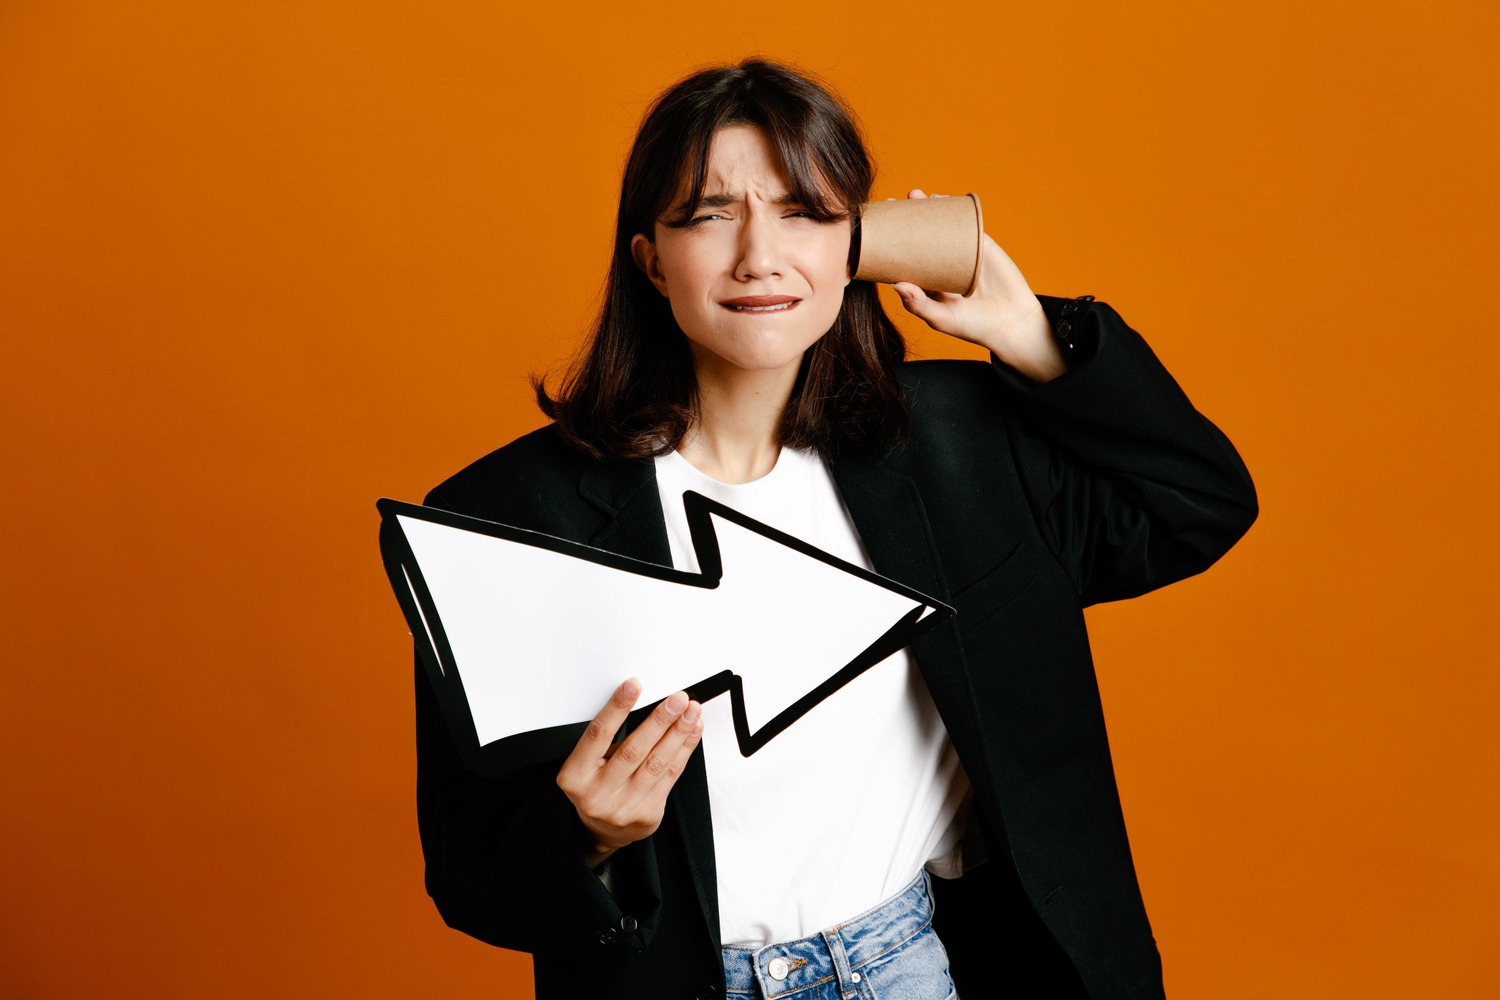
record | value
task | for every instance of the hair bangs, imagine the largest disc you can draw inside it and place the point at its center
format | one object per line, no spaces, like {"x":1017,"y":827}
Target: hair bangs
{"x":816,"y":187}
{"x":826,"y":177}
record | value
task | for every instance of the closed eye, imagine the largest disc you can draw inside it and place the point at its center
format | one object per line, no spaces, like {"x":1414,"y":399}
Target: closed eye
{"x":816,"y":215}
{"x":694,"y":221}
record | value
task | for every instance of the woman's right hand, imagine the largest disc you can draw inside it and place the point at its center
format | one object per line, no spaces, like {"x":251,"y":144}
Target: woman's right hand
{"x":620,"y":790}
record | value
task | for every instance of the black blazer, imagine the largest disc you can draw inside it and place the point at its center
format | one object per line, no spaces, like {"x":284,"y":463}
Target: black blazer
{"x":1019,"y":505}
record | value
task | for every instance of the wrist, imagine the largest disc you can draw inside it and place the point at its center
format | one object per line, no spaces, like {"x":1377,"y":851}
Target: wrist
{"x":1029,"y":346}
{"x":596,"y":850}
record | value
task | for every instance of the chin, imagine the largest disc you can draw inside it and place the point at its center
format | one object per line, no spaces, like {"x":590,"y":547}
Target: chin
{"x":764,"y":363}
{"x":775,"y":354}
{"x":777,"y":360}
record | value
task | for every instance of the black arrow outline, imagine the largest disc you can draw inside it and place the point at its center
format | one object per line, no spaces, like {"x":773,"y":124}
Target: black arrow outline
{"x":556,"y":742}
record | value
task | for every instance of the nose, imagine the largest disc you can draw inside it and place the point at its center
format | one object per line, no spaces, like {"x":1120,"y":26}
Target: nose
{"x":760,"y":247}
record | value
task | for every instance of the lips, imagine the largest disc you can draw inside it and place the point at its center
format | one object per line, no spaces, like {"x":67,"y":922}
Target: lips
{"x":761,"y":303}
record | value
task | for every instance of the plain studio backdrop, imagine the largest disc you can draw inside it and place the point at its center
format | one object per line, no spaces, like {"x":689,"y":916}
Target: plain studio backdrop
{"x":263,"y":263}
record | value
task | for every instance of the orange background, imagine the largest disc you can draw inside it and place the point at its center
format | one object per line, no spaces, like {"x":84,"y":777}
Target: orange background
{"x":262,"y":263}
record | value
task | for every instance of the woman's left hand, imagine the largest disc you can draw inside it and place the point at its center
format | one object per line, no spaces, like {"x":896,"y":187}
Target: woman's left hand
{"x":1001,"y":314}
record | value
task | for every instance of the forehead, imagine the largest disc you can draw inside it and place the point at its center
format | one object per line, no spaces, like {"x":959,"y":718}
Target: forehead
{"x":743,"y":150}
{"x":741,"y":159}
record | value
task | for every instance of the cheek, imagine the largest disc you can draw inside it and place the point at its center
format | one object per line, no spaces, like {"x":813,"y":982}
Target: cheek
{"x":830,"y":301}
{"x":839,"y":268}
{"x":677,"y":259}
{"x":835,"y":255}
{"x":835,"y":302}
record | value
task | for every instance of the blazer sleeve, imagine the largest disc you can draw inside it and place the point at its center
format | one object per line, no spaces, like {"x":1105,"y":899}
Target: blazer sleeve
{"x":504,"y":858}
{"x":1131,"y":487}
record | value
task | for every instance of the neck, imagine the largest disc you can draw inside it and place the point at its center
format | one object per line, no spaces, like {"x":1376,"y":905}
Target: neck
{"x":735,"y":436}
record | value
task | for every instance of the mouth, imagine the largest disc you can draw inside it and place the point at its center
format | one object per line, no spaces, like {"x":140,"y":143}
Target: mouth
{"x":761,"y":303}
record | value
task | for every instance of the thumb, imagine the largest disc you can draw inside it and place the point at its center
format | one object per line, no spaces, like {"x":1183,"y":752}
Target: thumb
{"x":921,"y":305}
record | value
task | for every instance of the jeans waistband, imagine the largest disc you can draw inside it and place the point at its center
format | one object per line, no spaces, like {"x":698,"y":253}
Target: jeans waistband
{"x":785,"y":967}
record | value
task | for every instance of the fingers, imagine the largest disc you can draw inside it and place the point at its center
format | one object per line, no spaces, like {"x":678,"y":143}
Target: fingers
{"x":678,"y":744}
{"x":600,"y":732}
{"x":670,"y":755}
{"x":932,"y":308}
{"x":908,"y":292}
{"x":630,"y":754}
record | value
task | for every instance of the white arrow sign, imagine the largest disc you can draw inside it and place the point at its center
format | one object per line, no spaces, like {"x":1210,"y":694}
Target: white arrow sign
{"x":525,"y":635}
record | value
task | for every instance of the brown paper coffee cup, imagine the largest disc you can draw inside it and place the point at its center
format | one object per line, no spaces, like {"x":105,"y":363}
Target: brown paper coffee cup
{"x":931,"y":242}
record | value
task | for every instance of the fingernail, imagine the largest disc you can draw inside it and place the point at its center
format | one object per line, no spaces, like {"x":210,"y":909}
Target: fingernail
{"x":677,"y":702}
{"x":693,"y":711}
{"x":631,"y":688}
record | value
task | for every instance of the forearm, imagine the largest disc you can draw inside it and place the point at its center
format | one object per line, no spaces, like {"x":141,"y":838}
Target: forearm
{"x":1133,"y":486}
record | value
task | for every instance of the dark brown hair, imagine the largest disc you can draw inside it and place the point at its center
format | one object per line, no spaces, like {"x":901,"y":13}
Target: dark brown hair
{"x":632,"y":392}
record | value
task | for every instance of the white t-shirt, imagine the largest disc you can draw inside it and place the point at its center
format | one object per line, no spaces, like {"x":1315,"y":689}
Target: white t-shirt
{"x":840,"y":811}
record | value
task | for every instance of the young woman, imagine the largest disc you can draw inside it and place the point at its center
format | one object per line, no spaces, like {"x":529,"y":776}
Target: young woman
{"x":735,"y":356}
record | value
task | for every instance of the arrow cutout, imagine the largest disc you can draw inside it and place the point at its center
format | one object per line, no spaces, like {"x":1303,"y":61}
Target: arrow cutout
{"x":524,"y":635}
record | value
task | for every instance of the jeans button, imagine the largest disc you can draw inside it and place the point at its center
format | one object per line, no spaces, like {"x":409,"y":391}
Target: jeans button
{"x":778,"y":969}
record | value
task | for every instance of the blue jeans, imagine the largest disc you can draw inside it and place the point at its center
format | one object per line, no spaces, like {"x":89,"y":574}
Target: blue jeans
{"x":889,"y":953}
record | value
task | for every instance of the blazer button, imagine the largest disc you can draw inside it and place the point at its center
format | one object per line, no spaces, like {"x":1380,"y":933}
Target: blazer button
{"x":628,"y":923}
{"x":607,"y":936}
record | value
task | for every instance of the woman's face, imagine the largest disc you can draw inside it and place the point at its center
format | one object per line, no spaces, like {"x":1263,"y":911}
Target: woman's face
{"x":754,"y":280}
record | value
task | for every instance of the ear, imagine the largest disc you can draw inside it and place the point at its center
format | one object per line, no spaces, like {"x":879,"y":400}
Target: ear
{"x":643,"y":252}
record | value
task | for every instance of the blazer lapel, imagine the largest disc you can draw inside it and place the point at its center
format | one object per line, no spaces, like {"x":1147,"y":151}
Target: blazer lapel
{"x":626,"y":493}
{"x":888,"y":512}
